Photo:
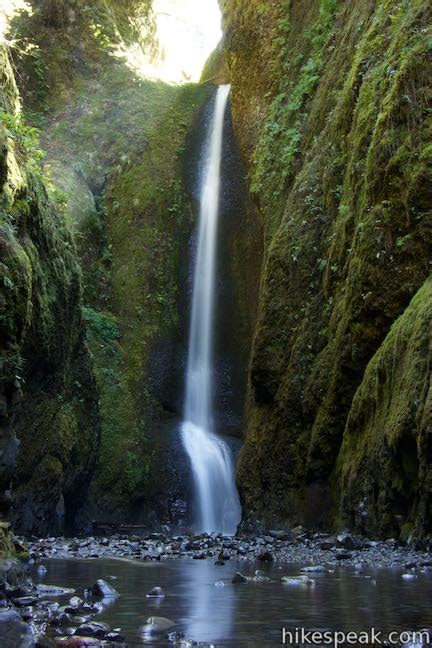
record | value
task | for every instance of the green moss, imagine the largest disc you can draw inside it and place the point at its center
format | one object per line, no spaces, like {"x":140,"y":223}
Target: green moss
{"x":348,"y":230}
{"x":148,"y":224}
{"x":42,"y":341}
{"x":383,"y":465}
{"x":114,"y":145}
{"x":280,"y":142}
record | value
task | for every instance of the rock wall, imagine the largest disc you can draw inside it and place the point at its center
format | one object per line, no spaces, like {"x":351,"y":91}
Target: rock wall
{"x":331,"y":105}
{"x":49,"y":405}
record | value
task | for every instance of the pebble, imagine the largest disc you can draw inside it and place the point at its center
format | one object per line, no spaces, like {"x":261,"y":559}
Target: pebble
{"x":297,"y":546}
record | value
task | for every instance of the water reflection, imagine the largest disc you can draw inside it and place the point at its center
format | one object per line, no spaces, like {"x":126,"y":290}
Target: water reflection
{"x":247,"y":615}
{"x":211,"y":607}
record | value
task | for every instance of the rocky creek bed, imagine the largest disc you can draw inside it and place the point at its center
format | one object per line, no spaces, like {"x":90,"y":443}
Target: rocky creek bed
{"x":33,"y":613}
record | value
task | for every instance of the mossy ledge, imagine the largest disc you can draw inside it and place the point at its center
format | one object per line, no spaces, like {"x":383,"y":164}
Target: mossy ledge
{"x":332,"y":113}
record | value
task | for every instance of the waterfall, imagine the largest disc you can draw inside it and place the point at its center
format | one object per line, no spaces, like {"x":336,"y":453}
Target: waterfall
{"x":212,"y":466}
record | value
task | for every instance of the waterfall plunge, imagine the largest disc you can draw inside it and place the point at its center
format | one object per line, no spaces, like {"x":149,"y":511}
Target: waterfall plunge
{"x":215,"y":490}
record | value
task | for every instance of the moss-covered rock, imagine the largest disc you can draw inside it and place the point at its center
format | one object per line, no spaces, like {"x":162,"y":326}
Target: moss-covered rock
{"x":336,"y":136}
{"x":384,"y":464}
{"x":48,"y":392}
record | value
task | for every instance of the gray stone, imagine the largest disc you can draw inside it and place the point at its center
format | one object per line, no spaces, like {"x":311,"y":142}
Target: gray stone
{"x":157,"y":625}
{"x":156,"y":592}
{"x":104,"y":589}
{"x":14,"y":632}
{"x":93,"y":629}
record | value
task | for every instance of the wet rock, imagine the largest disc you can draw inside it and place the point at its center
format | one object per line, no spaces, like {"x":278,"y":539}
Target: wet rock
{"x":156,"y":592}
{"x":175,"y":636}
{"x":115,"y":636}
{"x":61,"y":619}
{"x":104,"y":589}
{"x":24,"y":601}
{"x":26,"y":613}
{"x":219,"y":563}
{"x":157,"y":625}
{"x":17,"y":592}
{"x":348,"y":541}
{"x":53,"y":591}
{"x":343,"y":555}
{"x":409,"y":576}
{"x":199,"y":556}
{"x":314,"y":569}
{"x":280,"y":535}
{"x":75,"y":601}
{"x":93,"y":629}
{"x":14,"y":632}
{"x":78,"y":642}
{"x":266,"y":556}
{"x":298,"y":581}
{"x":259,"y":577}
{"x":41,"y":641}
{"x":151,"y":555}
{"x":11,"y":571}
{"x":327,"y":545}
{"x":239,"y":578}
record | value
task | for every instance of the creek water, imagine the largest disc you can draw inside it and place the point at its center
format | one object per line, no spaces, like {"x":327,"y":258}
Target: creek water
{"x":247,"y":615}
{"x":217,"y":502}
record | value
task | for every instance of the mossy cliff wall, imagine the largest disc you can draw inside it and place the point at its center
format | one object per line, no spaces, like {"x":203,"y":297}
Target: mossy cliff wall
{"x":115,"y":146}
{"x":331,"y":104}
{"x":48,"y":394}
{"x":123,"y":153}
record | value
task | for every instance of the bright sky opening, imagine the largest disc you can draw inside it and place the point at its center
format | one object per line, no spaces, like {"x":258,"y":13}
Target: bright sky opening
{"x":187,"y":32}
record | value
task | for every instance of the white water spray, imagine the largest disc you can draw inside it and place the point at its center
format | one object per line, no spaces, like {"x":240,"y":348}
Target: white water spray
{"x":215,"y":490}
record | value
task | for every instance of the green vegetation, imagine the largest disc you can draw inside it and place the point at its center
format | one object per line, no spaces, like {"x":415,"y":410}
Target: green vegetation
{"x":280,"y":142}
{"x":43,"y":350}
{"x":115,"y":145}
{"x":331,"y":102}
{"x":388,"y":425}
{"x":337,"y":143}
{"x":26,"y":138}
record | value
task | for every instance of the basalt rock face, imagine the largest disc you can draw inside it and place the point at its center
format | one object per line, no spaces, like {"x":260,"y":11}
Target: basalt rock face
{"x":331,"y":106}
{"x":49,"y":406}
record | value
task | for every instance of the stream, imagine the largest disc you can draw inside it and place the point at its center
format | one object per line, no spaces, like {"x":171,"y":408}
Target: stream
{"x":246,"y":615}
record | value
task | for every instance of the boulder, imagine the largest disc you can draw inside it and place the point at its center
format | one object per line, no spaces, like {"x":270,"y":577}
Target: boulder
{"x":104,"y":589}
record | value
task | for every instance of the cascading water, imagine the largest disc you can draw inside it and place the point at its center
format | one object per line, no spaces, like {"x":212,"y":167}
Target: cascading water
{"x":215,"y":490}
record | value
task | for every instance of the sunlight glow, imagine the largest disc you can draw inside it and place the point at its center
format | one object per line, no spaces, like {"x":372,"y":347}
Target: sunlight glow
{"x":8,"y":8}
{"x":187,"y":33}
